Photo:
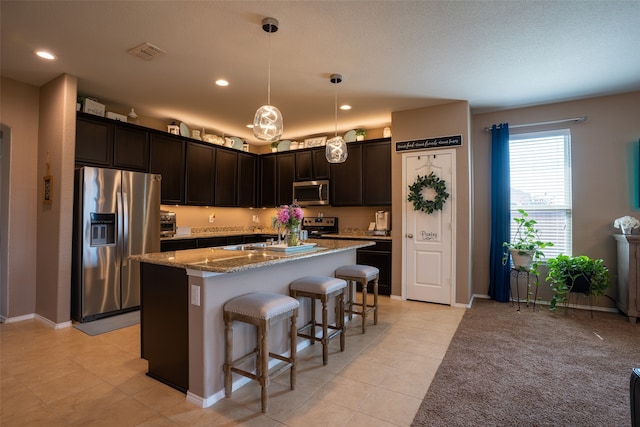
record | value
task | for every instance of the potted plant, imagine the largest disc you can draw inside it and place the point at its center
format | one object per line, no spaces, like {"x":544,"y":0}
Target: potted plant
{"x":576,"y":274}
{"x":360,"y":134}
{"x":274,"y":146}
{"x":526,"y":248}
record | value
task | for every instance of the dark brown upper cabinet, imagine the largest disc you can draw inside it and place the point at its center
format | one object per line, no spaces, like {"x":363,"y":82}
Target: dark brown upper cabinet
{"x":167,"y":158}
{"x":131,"y":149}
{"x":247,"y":167}
{"x":311,"y":165}
{"x":267,"y":183}
{"x":285,"y":176}
{"x":200,"y":174}
{"x":376,"y":173}
{"x":226,"y":176}
{"x":346,"y":179}
{"x":94,"y":141}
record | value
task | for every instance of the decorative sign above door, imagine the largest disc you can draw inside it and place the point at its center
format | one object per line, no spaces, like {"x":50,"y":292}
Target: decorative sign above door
{"x":422,"y":144}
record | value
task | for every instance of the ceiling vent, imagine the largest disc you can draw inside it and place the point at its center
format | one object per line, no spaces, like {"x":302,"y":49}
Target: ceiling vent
{"x":146,"y":51}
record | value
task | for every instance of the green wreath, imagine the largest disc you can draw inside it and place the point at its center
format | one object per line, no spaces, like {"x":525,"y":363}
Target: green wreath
{"x":429,"y":181}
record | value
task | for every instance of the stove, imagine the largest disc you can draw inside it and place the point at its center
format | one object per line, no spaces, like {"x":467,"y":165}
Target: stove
{"x":317,"y":226}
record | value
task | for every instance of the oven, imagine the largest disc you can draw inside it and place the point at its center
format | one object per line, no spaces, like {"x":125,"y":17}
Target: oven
{"x":167,"y":224}
{"x":320,"y":225}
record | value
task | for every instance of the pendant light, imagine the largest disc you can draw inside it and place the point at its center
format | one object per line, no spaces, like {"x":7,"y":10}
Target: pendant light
{"x":336,"y":150}
{"x":267,"y":123}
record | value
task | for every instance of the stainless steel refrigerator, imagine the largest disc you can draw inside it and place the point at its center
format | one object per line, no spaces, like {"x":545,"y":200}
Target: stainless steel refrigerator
{"x":116,"y":214}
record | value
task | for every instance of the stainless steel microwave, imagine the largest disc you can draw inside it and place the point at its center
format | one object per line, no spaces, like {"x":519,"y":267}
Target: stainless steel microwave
{"x":309,"y":193}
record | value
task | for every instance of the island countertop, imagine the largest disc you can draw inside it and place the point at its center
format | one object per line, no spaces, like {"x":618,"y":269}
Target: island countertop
{"x":220,"y":260}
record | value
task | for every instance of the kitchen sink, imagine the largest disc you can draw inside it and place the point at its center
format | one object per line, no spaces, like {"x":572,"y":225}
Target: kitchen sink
{"x":245,"y":247}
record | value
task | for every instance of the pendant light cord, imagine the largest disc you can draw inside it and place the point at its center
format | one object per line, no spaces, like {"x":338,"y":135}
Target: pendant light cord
{"x":336,"y":110}
{"x":269,"y":74}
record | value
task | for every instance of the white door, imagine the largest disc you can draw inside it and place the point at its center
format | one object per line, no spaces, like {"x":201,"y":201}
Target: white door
{"x":429,"y":239}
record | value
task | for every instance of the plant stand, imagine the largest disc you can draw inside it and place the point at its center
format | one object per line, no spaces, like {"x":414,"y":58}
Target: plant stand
{"x":526,"y":274}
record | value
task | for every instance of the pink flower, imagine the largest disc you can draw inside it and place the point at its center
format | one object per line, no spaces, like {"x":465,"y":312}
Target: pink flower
{"x":289,"y":216}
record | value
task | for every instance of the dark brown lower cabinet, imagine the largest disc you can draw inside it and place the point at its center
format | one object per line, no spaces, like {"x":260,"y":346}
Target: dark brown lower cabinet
{"x":164,"y":324}
{"x":378,"y":256}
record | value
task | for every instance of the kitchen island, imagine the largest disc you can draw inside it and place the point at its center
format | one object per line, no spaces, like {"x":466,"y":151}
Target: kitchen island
{"x":182,"y":299}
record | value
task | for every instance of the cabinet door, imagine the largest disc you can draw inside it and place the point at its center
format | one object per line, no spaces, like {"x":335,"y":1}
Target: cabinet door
{"x":167,"y":154}
{"x":267,"y":181}
{"x":286,"y":174}
{"x":226,"y":175}
{"x":346,"y":179}
{"x":304,"y":166}
{"x":94,"y":142}
{"x":321,"y":168}
{"x":177,"y":245}
{"x":246,"y":180}
{"x":200,"y":171}
{"x":376,"y":173}
{"x":211,"y":242}
{"x":130,"y":149}
{"x":381,"y":259}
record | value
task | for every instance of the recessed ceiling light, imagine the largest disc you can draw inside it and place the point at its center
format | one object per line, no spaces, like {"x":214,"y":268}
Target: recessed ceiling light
{"x":250,"y":125}
{"x":345,"y":107}
{"x":45,"y":55}
{"x":222,"y":82}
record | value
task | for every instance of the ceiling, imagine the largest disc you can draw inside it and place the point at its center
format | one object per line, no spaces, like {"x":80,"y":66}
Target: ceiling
{"x":393,"y":55}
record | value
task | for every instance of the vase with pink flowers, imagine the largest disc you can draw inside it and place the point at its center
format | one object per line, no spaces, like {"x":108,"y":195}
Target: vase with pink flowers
{"x":290,"y":217}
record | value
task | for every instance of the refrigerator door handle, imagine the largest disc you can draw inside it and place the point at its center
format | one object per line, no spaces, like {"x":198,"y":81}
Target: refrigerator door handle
{"x":119,"y":231}
{"x":125,"y":229}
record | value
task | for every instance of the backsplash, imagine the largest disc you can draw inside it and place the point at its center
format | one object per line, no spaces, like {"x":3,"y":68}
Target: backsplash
{"x":352,"y":220}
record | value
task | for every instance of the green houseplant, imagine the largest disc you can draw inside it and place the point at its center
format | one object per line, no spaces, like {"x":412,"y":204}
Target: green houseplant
{"x":576,"y":274}
{"x":526,"y":248}
{"x":360,"y":134}
{"x":274,"y":146}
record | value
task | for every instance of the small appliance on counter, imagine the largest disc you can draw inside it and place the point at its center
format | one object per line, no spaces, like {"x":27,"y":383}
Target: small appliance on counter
{"x":317,"y":226}
{"x":167,"y":224}
{"x":382,"y":224}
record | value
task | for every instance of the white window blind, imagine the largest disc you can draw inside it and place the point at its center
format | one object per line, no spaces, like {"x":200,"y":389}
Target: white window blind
{"x":540,"y":165}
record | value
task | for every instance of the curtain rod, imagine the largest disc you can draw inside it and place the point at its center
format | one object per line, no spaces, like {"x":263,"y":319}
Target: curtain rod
{"x":552,"y":122}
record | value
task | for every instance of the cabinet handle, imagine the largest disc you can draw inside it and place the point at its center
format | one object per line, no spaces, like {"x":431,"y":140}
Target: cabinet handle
{"x":410,"y":236}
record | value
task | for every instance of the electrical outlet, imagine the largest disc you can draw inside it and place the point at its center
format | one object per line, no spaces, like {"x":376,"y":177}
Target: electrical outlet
{"x":195,"y":295}
{"x":212,"y":218}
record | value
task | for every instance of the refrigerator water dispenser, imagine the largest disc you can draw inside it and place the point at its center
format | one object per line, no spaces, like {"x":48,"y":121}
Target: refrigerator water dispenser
{"x":103,"y":229}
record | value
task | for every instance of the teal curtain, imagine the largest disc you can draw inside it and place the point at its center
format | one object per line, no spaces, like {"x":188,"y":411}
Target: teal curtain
{"x":500,"y":212}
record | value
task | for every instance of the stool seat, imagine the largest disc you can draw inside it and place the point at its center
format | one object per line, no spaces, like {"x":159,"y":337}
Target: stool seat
{"x":261,"y":309}
{"x":321,"y":288}
{"x":318,"y":284}
{"x":363,"y":274}
{"x":261,"y":305}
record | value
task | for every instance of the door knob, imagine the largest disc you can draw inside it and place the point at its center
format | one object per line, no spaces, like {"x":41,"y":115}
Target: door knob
{"x":410,"y":236}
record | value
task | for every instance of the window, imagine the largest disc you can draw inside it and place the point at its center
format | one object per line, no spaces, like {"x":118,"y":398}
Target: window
{"x":540,"y":165}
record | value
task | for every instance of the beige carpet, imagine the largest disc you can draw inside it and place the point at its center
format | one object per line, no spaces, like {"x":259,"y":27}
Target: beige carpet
{"x":527,"y":368}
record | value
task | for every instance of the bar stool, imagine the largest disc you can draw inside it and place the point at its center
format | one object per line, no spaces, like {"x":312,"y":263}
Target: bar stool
{"x":262,"y":310}
{"x":322,"y":288}
{"x":362,"y":274}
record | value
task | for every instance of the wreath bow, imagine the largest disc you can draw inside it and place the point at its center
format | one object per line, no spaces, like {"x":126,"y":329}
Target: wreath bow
{"x":428,"y":181}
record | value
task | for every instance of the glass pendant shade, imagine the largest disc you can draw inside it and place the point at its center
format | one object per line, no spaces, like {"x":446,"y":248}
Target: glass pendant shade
{"x":336,"y":150}
{"x":267,"y":123}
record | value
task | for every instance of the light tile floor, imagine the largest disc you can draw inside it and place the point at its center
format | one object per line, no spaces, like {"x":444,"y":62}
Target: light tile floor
{"x":67,"y":378}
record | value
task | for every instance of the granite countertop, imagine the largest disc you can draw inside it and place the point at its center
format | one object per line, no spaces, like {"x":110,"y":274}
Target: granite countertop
{"x":355,"y":236}
{"x":197,"y":233}
{"x":219,"y":260}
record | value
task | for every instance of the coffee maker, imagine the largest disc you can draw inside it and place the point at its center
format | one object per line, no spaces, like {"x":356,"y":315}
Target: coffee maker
{"x":383,"y":223}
